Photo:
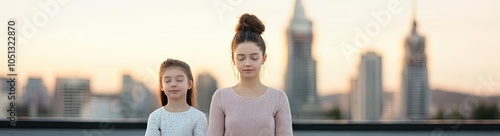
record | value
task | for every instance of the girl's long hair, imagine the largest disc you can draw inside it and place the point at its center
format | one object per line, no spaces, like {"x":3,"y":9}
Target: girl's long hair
{"x":187,"y":70}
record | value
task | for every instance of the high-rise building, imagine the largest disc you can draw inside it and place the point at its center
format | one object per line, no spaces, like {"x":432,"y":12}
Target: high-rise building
{"x":415,"y":95}
{"x":103,"y":107}
{"x":36,"y":98}
{"x":137,"y":101}
{"x":4,"y":93}
{"x":301,"y":68}
{"x":345,"y":106}
{"x":353,"y":98}
{"x":206,"y":87}
{"x":388,"y":108}
{"x":71,"y":95}
{"x":367,"y":96}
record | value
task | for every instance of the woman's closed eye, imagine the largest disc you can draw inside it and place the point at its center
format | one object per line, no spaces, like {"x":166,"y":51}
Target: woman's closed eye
{"x":240,"y":58}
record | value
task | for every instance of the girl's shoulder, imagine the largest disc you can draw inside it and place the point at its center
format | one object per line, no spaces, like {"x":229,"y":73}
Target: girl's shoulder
{"x":196,"y":111}
{"x":158,"y":112}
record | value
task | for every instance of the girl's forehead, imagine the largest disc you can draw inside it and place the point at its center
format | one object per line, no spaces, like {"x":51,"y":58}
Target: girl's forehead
{"x":173,"y":71}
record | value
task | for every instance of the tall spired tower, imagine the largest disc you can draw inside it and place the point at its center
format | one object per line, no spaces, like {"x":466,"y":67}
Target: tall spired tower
{"x":301,"y":68}
{"x":415,"y":95}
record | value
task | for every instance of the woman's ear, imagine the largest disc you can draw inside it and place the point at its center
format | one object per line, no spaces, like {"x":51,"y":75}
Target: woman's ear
{"x":264,"y":57}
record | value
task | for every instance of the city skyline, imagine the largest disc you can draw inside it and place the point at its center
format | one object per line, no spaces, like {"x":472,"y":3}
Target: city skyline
{"x":63,"y":45}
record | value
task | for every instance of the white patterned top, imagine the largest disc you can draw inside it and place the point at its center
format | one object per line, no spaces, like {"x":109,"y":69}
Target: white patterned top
{"x":188,"y":123}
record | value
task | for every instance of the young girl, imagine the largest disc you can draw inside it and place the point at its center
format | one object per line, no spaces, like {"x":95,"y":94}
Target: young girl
{"x":177,"y":117}
{"x":249,"y":108}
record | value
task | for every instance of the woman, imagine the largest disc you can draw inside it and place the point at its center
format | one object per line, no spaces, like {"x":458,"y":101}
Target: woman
{"x":249,"y":108}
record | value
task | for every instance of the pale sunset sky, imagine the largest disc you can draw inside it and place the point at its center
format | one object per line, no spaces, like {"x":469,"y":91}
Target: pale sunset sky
{"x":102,"y":40}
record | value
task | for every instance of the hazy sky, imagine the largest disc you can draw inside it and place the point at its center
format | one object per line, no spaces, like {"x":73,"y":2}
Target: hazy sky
{"x":102,"y":40}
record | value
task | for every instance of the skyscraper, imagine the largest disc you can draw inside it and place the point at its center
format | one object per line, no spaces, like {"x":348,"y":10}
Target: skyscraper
{"x":415,"y":95}
{"x":36,"y":98}
{"x":353,"y":98}
{"x":103,"y":107}
{"x":71,"y":95}
{"x":367,"y":96}
{"x":136,"y":99}
{"x":345,"y":106}
{"x":206,"y":85}
{"x":301,"y":68}
{"x":4,"y":93}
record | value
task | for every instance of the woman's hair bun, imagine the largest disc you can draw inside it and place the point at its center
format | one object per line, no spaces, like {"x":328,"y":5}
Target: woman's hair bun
{"x":250,"y":23}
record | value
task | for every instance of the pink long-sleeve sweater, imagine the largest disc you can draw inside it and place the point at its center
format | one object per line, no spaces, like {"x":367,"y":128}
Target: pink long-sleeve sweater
{"x":233,"y":115}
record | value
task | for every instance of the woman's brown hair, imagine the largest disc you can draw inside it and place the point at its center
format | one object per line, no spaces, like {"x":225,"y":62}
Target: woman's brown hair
{"x":249,"y":29}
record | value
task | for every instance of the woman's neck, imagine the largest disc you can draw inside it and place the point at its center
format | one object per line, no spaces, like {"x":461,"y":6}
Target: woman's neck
{"x":250,"y":83}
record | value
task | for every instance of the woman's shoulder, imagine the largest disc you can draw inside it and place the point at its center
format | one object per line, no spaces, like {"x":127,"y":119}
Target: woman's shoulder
{"x":279,"y":93}
{"x":225,"y":89}
{"x":221,"y":91}
{"x":276,"y":90}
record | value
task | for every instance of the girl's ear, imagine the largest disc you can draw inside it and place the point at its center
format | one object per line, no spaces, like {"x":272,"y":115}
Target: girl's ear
{"x":190,"y":84}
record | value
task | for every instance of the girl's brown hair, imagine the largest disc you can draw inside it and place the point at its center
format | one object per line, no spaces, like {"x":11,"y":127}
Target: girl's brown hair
{"x":187,"y":70}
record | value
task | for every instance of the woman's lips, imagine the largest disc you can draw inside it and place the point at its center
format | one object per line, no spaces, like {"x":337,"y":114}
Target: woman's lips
{"x":174,"y":90}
